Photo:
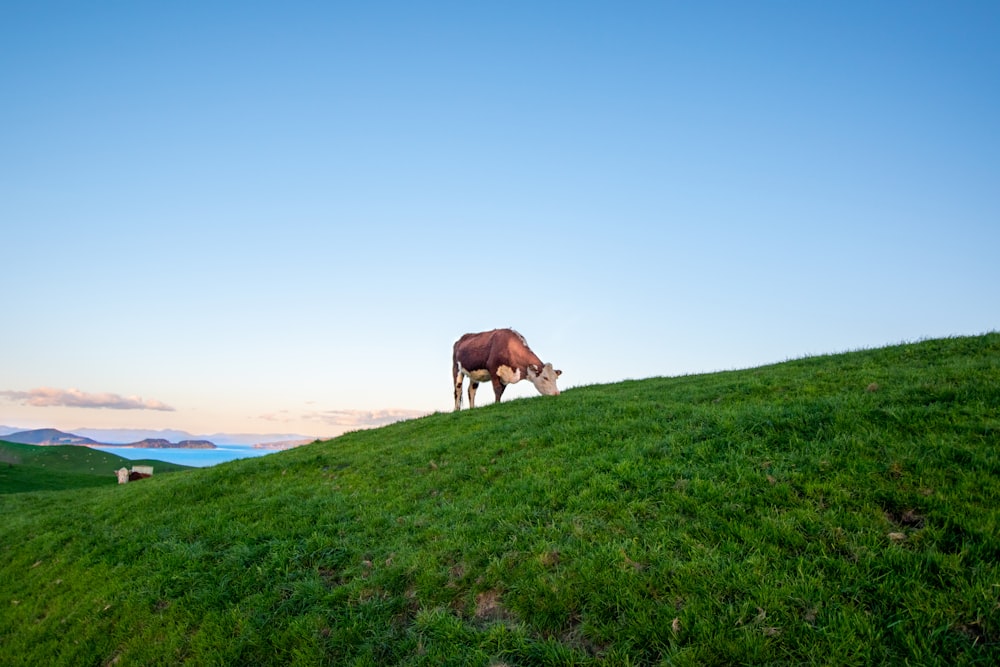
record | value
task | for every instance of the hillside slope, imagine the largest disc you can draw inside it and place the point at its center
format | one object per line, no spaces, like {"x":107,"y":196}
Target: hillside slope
{"x":832,"y":510}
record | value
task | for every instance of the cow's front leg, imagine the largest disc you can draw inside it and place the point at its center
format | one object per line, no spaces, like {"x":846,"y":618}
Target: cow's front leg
{"x":473,"y":386}
{"x":498,"y":387}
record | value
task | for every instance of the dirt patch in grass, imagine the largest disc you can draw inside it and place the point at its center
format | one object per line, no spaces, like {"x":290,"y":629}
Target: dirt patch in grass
{"x":906,"y":519}
{"x":490,"y":608}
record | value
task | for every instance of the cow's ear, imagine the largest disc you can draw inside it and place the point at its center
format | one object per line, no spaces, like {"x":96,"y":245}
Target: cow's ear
{"x":532,"y":369}
{"x":558,"y":373}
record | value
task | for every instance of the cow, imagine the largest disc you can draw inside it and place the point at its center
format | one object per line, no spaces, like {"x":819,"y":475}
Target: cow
{"x":122,"y":475}
{"x":501,"y":356}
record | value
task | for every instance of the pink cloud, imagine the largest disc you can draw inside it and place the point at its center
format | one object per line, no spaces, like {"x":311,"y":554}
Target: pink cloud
{"x":48,"y":397}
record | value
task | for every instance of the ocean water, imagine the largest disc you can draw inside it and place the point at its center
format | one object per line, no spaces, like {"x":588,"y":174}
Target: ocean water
{"x":199,"y":458}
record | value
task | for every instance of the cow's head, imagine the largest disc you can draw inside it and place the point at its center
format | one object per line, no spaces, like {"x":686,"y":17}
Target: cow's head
{"x":544,"y":379}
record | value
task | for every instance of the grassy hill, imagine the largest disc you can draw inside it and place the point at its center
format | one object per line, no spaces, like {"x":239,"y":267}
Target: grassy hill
{"x":37,"y":468}
{"x":833,"y":510}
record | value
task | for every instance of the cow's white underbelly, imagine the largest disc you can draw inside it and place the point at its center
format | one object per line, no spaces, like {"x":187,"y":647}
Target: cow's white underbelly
{"x":481,"y":375}
{"x":506,"y":374}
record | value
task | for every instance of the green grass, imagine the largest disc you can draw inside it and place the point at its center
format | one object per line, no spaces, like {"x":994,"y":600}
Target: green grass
{"x":36,"y":468}
{"x":839,"y":510}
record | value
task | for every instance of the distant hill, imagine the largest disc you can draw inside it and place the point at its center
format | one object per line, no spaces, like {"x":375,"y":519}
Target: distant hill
{"x":287,"y":444}
{"x":125,"y":436}
{"x":48,"y":436}
{"x":122,"y":437}
{"x":51,"y":436}
{"x":160,"y":443}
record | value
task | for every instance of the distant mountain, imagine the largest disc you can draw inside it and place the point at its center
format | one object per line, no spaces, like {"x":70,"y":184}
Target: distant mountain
{"x":128,"y":436}
{"x":51,"y":436}
{"x":256,"y":438}
{"x":160,"y":443}
{"x":47,"y":436}
{"x":284,"y":444}
{"x":151,"y":438}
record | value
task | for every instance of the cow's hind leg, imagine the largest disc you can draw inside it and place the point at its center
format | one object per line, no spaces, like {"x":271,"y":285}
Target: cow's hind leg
{"x":459,"y":380}
{"x":473,"y":386}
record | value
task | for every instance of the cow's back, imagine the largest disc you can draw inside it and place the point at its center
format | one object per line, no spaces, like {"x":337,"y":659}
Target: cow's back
{"x":511,"y":349}
{"x":472,"y":350}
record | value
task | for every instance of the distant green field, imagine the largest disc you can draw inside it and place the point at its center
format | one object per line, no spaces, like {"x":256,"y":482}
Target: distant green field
{"x":37,"y":468}
{"x":835,"y":510}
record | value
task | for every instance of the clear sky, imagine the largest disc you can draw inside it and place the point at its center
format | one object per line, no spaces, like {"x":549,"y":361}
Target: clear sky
{"x":278,"y":216}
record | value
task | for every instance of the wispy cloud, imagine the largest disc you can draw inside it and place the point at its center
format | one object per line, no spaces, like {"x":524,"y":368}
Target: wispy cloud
{"x":47,"y":397}
{"x":363,"y":418}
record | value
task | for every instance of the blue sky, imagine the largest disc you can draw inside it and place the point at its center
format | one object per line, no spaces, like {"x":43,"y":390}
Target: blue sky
{"x":277,"y":217}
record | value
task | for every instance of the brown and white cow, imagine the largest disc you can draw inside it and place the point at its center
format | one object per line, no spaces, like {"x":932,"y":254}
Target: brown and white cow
{"x":502,"y":357}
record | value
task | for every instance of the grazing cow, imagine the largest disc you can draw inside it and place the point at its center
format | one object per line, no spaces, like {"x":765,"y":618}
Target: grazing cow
{"x":501,"y":356}
{"x":122,"y":475}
